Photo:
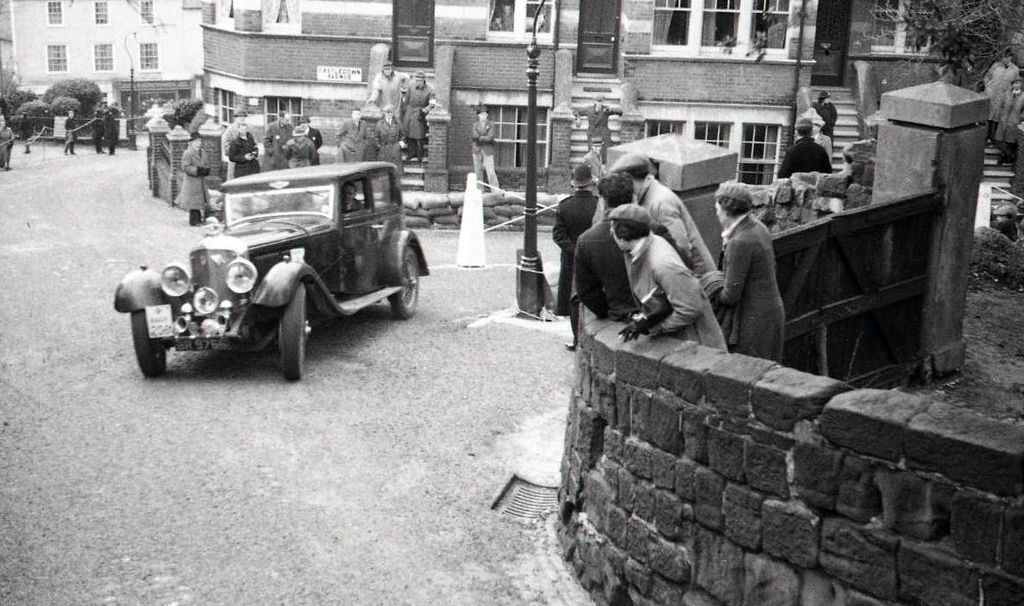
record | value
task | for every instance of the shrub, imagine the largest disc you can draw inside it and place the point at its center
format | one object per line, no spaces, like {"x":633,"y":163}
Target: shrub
{"x":182,"y":112}
{"x":86,"y":91}
{"x":62,"y":105}
{"x":20,"y":97}
{"x":34,"y":108}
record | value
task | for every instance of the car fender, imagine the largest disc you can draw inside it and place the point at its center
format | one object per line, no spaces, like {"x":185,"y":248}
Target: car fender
{"x":279,"y":284}
{"x":393,"y":257}
{"x":137,"y":290}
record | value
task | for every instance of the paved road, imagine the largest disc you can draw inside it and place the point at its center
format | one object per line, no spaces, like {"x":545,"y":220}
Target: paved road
{"x":368,"y":482}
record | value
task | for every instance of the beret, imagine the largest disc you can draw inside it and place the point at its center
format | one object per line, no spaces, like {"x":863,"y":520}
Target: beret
{"x":628,"y":162}
{"x":631,"y":212}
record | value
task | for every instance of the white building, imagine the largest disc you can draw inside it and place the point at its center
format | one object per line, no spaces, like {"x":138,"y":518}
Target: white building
{"x":102,"y":40}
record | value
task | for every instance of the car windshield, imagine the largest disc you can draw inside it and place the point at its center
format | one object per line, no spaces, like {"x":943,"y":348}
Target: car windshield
{"x":316,"y":200}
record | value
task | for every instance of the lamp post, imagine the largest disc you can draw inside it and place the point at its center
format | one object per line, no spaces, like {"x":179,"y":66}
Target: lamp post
{"x":130,"y":122}
{"x":530,"y":281}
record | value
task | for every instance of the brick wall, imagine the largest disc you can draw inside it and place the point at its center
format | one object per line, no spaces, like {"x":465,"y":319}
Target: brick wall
{"x":704,"y":80}
{"x":691,"y":474}
{"x":266,"y":56}
{"x":496,"y":66}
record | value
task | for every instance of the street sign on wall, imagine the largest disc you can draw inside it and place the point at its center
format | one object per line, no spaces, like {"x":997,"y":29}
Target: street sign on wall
{"x":332,"y":73}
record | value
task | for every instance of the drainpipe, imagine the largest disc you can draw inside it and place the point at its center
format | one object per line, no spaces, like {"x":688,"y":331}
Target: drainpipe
{"x":557,"y":21}
{"x":796,"y":73}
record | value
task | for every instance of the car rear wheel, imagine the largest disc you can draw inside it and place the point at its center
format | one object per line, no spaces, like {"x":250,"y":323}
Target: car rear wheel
{"x":291,"y":335}
{"x":150,"y":353}
{"x":404,"y":302}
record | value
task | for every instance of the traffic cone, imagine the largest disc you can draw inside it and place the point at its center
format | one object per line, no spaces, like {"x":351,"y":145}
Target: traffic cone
{"x":471,"y":233}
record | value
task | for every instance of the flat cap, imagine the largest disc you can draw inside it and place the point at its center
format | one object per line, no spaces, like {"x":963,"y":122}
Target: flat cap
{"x":735,"y":191}
{"x":631,"y":212}
{"x":804,"y":123}
{"x":630,"y":162}
{"x":300,"y":131}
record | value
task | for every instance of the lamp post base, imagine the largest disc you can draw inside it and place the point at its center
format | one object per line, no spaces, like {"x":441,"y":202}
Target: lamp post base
{"x":533,"y":294}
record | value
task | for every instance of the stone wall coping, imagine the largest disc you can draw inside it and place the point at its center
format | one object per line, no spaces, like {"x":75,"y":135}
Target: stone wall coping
{"x":936,"y":104}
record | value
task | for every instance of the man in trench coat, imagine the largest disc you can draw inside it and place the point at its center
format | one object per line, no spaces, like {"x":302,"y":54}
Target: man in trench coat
{"x":574,"y":216}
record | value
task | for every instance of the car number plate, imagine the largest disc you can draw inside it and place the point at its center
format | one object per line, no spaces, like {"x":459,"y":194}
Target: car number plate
{"x":201,"y":343}
{"x":158,"y":320}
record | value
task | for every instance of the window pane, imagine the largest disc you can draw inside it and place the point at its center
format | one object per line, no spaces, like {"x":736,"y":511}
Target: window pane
{"x":671,"y":22}
{"x":54,"y":13}
{"x":769,"y":22}
{"x":759,"y":153}
{"x":502,"y":15}
{"x":716,"y":133}
{"x":884,"y":15}
{"x":510,"y":139}
{"x":104,"y":57}
{"x":148,"y":56}
{"x":721,"y":22}
{"x":102,"y":14}
{"x":662,"y":127}
{"x":544,"y":22}
{"x":381,"y":185}
{"x":56,"y":58}
{"x":146,"y":10}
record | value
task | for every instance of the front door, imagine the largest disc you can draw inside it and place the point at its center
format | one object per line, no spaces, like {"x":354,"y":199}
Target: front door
{"x":598,"y":50}
{"x":413,"y":44}
{"x":830,"y":42}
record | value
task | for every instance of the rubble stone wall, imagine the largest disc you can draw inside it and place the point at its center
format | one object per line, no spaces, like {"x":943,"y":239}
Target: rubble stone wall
{"x":695,"y":477}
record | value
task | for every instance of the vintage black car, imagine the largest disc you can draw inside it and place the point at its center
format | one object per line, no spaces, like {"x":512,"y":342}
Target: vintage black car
{"x":295,"y":245}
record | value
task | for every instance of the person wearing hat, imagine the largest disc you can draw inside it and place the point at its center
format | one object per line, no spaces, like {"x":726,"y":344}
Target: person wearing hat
{"x":1006,"y":219}
{"x":419,"y":101}
{"x":111,"y":128}
{"x":274,"y":138}
{"x":192,"y":196}
{"x":299,"y":150}
{"x":352,"y":136}
{"x":805,"y":156}
{"x":388,"y":135}
{"x":229,"y":136}
{"x":387,"y":87}
{"x":828,"y":113}
{"x":97,"y":127}
{"x":483,"y":148}
{"x":754,"y":319}
{"x":597,"y":123}
{"x":670,"y":295}
{"x":242,"y":152}
{"x":315,"y":136}
{"x":575,"y":215}
{"x":666,"y":209}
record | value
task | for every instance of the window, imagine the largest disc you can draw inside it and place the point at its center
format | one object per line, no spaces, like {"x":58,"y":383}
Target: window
{"x":769,"y":22}
{"x":381,"y":186}
{"x":721,"y":22}
{"x":353,"y":196}
{"x":226,"y":104}
{"x":515,"y":17}
{"x":146,"y":11}
{"x":663,"y":127}
{"x":280,"y":12}
{"x":759,"y":153}
{"x":889,"y":30}
{"x":56,"y":58}
{"x":54,"y":13}
{"x":510,"y":138}
{"x":103,"y":57}
{"x":716,"y":133}
{"x":149,"y":59}
{"x":101,"y":12}
{"x":291,"y":105}
{"x":671,"y":22}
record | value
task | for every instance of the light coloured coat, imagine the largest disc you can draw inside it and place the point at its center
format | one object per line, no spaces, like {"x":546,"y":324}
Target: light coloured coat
{"x":1010,"y":115}
{"x":193,"y":188}
{"x":667,"y":209}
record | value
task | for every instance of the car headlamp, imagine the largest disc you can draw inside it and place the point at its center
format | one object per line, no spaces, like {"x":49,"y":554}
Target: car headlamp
{"x":175,"y":280}
{"x":205,"y":301}
{"x":241,"y":276}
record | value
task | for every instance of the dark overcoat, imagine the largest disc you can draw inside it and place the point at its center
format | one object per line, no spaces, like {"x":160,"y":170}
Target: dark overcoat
{"x":352,"y":137}
{"x":111,"y":128}
{"x":805,"y":156}
{"x":237,"y":150}
{"x":387,"y":137}
{"x":574,"y":216}
{"x":752,"y":292}
{"x":414,"y":120}
{"x":601,"y":281}
{"x":277,"y":134}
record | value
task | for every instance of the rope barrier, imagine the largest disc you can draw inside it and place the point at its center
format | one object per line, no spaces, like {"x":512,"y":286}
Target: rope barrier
{"x":1011,"y":194}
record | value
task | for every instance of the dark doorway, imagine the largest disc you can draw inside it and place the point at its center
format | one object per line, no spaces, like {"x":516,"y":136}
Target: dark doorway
{"x":413,"y":44}
{"x":830,"y":42}
{"x":598,"y":50}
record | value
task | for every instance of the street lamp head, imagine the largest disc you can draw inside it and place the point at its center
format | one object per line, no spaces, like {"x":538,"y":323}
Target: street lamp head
{"x":533,"y":51}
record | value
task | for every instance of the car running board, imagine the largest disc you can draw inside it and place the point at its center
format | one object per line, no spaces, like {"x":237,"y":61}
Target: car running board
{"x":351,"y":306}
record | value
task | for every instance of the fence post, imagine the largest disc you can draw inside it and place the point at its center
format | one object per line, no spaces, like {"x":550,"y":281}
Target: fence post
{"x":178,"y":142}
{"x":935,"y":139}
{"x":1017,"y":182}
{"x":158,"y":130}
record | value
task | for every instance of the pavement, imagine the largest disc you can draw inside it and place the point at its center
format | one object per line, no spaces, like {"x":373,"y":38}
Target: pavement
{"x":369,"y":482}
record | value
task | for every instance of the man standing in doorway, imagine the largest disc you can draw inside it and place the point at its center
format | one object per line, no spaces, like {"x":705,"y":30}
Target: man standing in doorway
{"x":419,"y":102}
{"x":277,"y":134}
{"x":483,"y":149}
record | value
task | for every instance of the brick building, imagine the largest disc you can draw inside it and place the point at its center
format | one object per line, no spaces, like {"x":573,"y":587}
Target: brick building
{"x":722,"y":71}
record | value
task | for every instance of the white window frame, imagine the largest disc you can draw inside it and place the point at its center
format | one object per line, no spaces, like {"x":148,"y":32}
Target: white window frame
{"x":294,"y":26}
{"x":48,"y":59}
{"x":156,"y":46}
{"x":496,"y":114}
{"x":522,"y":25}
{"x":224,"y":8}
{"x":725,"y":143}
{"x":899,"y":37}
{"x":653,"y":128}
{"x":291,"y":104}
{"x":96,"y":12}
{"x":59,"y":14}
{"x":761,"y":161}
{"x":745,"y":30}
{"x":152,"y":12}
{"x":691,"y":10}
{"x":225,"y":111}
{"x":95,"y":67}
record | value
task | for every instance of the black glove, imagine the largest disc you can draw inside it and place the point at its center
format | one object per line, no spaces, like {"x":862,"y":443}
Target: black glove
{"x":202,"y":171}
{"x":639,"y":325}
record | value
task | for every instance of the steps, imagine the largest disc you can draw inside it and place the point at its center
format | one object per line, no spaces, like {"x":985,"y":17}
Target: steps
{"x":997,"y":175}
{"x":586,"y":90}
{"x":846,"y":130}
{"x":412,"y":175}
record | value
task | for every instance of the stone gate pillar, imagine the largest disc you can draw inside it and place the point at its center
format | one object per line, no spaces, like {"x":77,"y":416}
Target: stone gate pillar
{"x":177,"y":140}
{"x":560,"y":167}
{"x":935,"y":139}
{"x":211,"y":132}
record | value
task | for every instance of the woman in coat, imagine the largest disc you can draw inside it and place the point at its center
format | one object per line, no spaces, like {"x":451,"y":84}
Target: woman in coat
{"x":751,"y":292}
{"x":243,"y":152}
{"x":1010,"y":115}
{"x":192,"y":196}
{"x":669,"y":294}
{"x":388,"y":136}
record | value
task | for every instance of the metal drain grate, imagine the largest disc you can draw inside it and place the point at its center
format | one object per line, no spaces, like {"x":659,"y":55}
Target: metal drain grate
{"x":525,"y":500}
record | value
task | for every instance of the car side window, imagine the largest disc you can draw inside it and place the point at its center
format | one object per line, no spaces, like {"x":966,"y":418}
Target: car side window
{"x":353,"y":196}
{"x":381,"y":186}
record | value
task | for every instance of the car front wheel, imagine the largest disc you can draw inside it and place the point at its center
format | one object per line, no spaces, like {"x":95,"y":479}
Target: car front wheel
{"x":150,"y":353}
{"x":404,"y":302}
{"x":291,"y":335}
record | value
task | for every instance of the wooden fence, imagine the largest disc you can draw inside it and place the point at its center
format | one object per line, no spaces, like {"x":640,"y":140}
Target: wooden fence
{"x":853,"y":287}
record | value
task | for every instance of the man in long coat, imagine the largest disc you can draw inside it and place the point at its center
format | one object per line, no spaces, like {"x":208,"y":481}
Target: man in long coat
{"x":299,"y":150}
{"x":352,"y":136}
{"x":597,"y":116}
{"x":1011,"y":114}
{"x":229,"y":136}
{"x":111,"y":129}
{"x":97,"y":129}
{"x":998,"y":79}
{"x":387,"y":87}
{"x":192,"y":196}
{"x":242,"y":152}
{"x":277,"y":134}
{"x":388,"y":136}
{"x":316,"y":137}
{"x":574,"y":216}
{"x":828,"y":112}
{"x":419,"y":102}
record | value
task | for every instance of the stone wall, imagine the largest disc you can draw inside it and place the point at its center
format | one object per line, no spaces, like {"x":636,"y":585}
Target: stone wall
{"x":696,"y":477}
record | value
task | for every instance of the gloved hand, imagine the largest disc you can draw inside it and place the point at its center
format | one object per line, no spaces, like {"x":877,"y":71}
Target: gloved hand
{"x":202,"y":171}
{"x":639,"y":325}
